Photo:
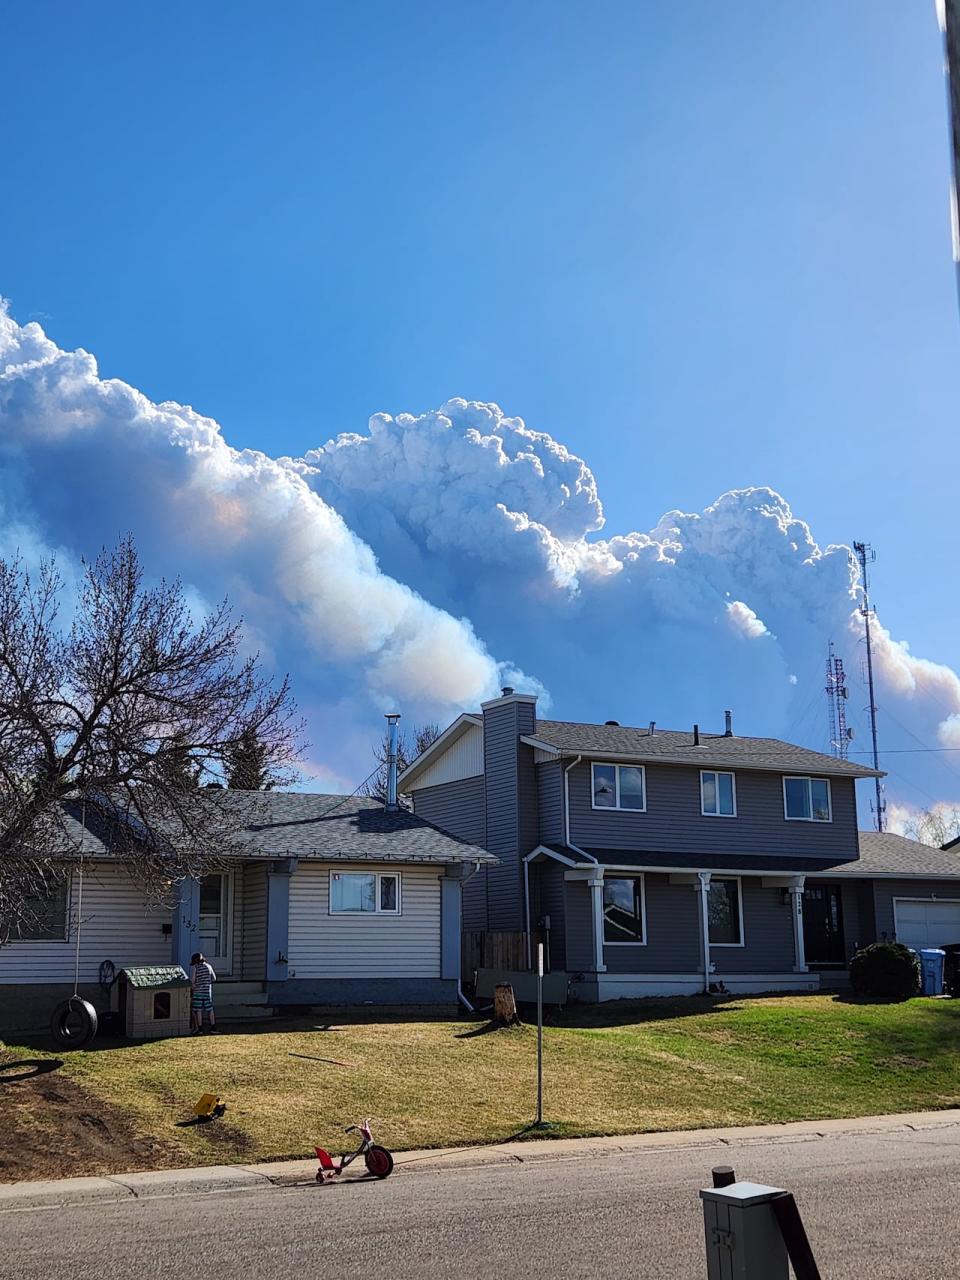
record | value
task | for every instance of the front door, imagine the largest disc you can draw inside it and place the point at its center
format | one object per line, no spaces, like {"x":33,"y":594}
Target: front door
{"x":216,"y":921}
{"x":823,"y":925}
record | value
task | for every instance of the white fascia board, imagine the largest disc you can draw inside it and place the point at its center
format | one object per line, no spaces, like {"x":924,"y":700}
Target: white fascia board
{"x":860,"y":874}
{"x":437,"y":748}
{"x":531,"y":740}
{"x":543,"y":851}
{"x":719,"y":871}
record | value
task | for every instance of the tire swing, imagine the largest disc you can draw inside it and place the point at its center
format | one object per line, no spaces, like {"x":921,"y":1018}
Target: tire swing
{"x":73,"y":1023}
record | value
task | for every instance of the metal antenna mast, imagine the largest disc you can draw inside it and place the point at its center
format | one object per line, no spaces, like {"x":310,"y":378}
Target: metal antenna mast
{"x":836,"y":690}
{"x":865,"y":554}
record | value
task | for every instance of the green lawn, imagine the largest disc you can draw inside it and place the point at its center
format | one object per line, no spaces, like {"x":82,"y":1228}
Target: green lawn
{"x":659,"y":1064}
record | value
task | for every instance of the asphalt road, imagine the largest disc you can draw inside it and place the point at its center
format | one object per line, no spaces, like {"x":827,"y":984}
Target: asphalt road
{"x":880,"y":1206}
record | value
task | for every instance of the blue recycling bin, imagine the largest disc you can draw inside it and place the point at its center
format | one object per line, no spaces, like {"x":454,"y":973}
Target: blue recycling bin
{"x":931,"y":971}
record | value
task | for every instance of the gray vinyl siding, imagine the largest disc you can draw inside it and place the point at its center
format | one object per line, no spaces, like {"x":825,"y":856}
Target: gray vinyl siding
{"x":456,"y":807}
{"x":253,"y":952}
{"x":507,"y":778}
{"x":550,"y":900}
{"x":578,"y":919}
{"x":673,"y":932}
{"x":460,"y":808}
{"x":862,"y":894}
{"x":884,"y":892}
{"x":673,"y":822}
{"x":767,"y":934}
{"x":550,"y":801}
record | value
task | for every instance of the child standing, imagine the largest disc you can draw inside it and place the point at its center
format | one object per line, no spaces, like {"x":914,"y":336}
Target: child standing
{"x":202,"y":978}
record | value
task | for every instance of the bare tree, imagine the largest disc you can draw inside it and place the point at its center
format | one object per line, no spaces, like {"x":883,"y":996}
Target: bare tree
{"x":118,"y":720}
{"x":934,"y":826}
{"x":408,"y":748}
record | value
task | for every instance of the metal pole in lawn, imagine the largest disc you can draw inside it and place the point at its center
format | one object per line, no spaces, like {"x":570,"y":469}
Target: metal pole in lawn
{"x":539,"y":1035}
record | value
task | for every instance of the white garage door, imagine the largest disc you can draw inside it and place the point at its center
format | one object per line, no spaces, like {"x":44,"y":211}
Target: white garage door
{"x":926,"y":924}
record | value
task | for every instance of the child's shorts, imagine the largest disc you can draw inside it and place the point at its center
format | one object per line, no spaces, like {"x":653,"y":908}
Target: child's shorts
{"x":201,"y":1004}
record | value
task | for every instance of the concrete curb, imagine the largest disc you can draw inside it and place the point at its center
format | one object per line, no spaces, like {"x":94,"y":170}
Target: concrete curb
{"x":123,"y":1187}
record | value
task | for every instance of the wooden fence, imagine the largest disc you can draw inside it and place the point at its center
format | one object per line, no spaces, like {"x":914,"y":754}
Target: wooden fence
{"x":484,"y":950}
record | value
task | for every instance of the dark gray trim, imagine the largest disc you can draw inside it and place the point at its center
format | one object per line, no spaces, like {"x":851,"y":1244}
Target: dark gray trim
{"x":362,"y":991}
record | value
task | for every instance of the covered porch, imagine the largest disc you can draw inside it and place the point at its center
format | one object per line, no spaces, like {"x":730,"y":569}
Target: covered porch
{"x":628,"y":931}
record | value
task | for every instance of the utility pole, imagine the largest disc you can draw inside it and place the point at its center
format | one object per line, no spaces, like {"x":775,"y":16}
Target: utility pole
{"x":864,"y":553}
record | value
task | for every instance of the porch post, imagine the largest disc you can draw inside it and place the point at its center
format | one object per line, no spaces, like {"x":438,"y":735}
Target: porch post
{"x":704,"y":893}
{"x":185,"y":938}
{"x":278,"y":917}
{"x":596,"y":892}
{"x":796,"y":904}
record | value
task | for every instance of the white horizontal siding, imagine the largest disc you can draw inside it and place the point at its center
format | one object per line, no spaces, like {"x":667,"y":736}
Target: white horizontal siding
{"x":462,"y":759}
{"x":118,"y":923}
{"x":364,"y":946}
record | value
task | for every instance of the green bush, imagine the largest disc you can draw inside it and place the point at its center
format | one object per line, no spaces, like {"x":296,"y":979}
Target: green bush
{"x":886,"y":970}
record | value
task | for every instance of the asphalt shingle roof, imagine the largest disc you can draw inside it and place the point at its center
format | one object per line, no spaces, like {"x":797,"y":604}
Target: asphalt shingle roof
{"x":676,"y":747}
{"x":880,"y":855}
{"x":295,"y":824}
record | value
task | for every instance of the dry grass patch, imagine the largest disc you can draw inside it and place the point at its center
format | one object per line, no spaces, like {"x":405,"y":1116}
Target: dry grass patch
{"x":659,"y":1064}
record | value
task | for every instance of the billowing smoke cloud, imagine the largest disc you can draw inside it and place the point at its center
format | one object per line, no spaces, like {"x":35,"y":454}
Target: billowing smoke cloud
{"x":392,"y":565}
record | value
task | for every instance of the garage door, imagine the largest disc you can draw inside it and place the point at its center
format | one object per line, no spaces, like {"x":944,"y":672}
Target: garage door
{"x":926,"y":924}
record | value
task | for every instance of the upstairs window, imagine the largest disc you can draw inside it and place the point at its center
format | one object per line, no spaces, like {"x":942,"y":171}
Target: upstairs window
{"x":623,"y":909}
{"x":619,"y":786}
{"x":807,"y":800}
{"x":361,"y":892}
{"x":718,"y":794}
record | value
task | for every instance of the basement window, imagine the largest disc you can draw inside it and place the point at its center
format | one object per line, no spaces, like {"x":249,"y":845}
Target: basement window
{"x":364,"y":893}
{"x":619,"y":786}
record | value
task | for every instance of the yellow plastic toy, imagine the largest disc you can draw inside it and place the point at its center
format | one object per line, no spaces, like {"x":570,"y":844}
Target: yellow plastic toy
{"x":209,"y":1106}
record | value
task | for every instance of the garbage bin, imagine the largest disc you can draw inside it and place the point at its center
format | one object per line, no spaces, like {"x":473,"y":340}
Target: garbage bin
{"x":951,"y":967}
{"x":931,"y":971}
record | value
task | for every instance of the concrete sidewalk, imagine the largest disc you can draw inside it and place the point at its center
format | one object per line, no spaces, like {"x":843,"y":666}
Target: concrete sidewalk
{"x":211,"y":1178}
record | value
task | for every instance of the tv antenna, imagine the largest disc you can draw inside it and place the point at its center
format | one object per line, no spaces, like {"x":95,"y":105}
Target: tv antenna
{"x":866,"y":555}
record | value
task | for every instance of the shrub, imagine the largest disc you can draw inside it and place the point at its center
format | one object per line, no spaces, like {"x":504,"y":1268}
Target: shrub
{"x":887,"y":970}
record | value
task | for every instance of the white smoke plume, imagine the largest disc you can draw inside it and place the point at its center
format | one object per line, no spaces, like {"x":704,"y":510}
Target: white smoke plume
{"x":391,"y":565}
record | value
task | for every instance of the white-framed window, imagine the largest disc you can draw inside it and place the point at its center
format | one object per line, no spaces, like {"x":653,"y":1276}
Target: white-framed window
{"x":364,"y":893}
{"x":725,"y":911}
{"x":45,"y":915}
{"x":619,"y":786}
{"x":807,"y":800}
{"x":624,"y":911}
{"x":718,"y":794}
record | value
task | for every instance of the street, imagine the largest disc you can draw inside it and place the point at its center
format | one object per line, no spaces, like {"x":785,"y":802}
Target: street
{"x":880,"y":1205}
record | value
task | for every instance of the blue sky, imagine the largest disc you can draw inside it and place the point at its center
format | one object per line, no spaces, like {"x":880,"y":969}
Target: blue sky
{"x":705,"y":246}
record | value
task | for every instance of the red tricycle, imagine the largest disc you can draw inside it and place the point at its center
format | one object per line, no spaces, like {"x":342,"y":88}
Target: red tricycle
{"x":378,"y":1159}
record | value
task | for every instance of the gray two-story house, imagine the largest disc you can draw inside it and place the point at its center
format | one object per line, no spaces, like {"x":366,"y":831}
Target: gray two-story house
{"x":656,"y":862}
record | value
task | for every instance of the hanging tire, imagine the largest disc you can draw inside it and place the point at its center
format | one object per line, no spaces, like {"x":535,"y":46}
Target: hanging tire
{"x":379,"y":1162}
{"x":73,"y":1023}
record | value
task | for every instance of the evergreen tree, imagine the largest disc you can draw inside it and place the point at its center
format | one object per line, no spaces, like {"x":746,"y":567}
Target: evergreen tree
{"x":248,"y":767}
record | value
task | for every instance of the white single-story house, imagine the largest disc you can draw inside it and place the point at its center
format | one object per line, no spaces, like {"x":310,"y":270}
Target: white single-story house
{"x":333,"y":900}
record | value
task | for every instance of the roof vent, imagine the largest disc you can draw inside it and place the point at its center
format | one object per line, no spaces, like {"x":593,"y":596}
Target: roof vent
{"x":653,"y":728}
{"x":696,"y":735}
{"x":613,"y":723}
{"x":506,"y":691}
{"x":728,"y":725}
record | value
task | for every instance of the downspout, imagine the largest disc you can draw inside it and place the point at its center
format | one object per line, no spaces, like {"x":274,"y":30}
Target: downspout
{"x":460,"y":996}
{"x":566,"y":812}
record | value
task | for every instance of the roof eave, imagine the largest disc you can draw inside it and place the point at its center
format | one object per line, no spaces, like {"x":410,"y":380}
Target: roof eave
{"x":438,"y":746}
{"x":597,"y":753}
